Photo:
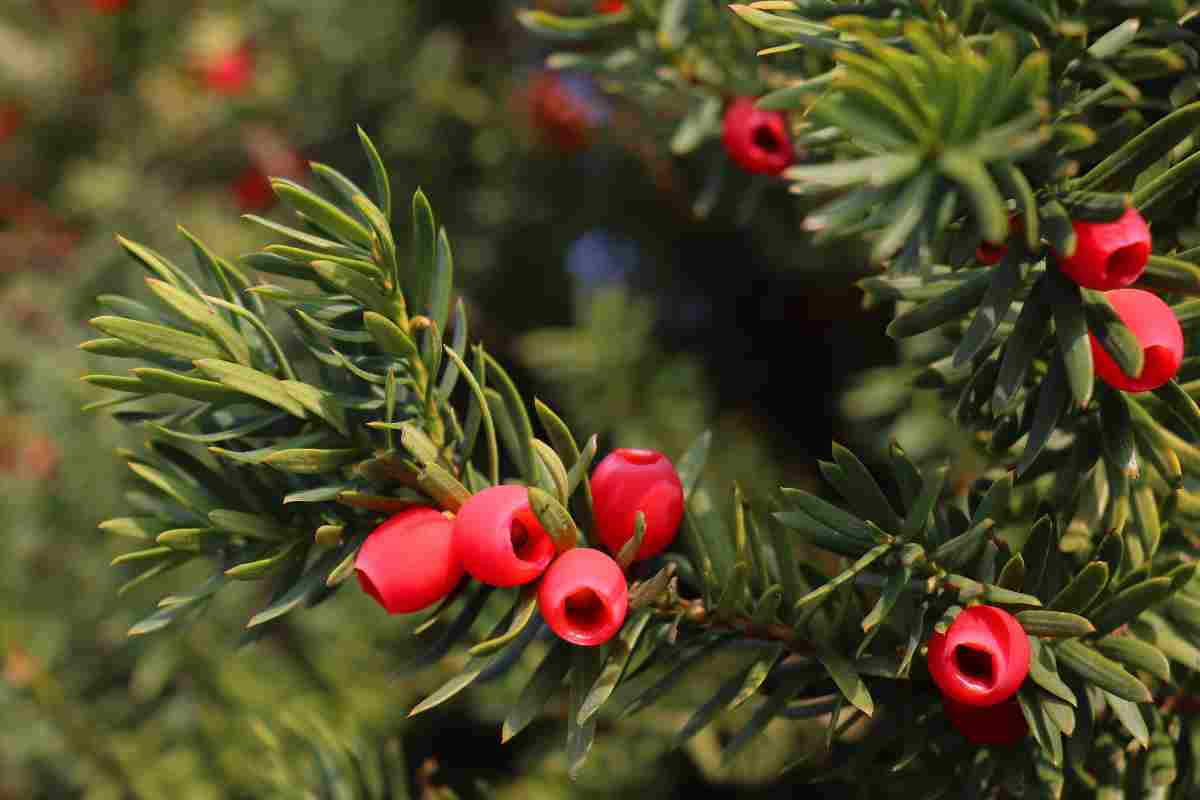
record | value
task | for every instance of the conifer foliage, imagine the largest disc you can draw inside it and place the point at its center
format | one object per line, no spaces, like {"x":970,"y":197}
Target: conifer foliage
{"x":977,"y":147}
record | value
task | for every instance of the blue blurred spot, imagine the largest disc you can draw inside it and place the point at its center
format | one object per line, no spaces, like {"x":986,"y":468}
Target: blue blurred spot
{"x":582,"y":87}
{"x":600,"y":258}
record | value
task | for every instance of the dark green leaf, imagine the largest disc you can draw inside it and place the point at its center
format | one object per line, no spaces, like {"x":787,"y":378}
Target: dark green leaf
{"x":586,"y":665}
{"x":1055,"y":624}
{"x":1178,"y":180}
{"x":1140,"y":152}
{"x":546,"y":680}
{"x":950,"y":306}
{"x":1130,"y":717}
{"x":510,"y":633}
{"x":860,"y":487}
{"x":993,"y":308}
{"x":1136,"y":654}
{"x":1128,"y":603}
{"x":1048,"y":736}
{"x":848,"y":681}
{"x":1083,"y":589}
{"x":1022,"y":345}
{"x":304,"y":589}
{"x":1043,"y":670}
{"x":1074,"y":346}
{"x":1104,"y":672}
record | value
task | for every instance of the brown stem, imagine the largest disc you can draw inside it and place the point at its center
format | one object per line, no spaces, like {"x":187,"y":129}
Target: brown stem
{"x":694,"y":612}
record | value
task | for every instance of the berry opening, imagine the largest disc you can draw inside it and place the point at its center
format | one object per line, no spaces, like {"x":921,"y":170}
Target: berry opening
{"x":1126,"y":263}
{"x":522,"y":542}
{"x":585,"y":610}
{"x":765,"y":139}
{"x":975,"y":665}
{"x":530,"y":542}
{"x":640,"y":457}
{"x":368,"y":586}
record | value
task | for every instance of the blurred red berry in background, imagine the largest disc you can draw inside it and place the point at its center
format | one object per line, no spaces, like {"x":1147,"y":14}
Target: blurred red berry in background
{"x":108,"y":6}
{"x":561,"y":117}
{"x":756,"y":140}
{"x":252,"y":190}
{"x":229,"y":73}
{"x":609,"y":6}
{"x":10,"y":120}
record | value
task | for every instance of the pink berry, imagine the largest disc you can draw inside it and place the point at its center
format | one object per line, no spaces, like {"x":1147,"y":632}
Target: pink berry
{"x":408,"y":563}
{"x":583,"y":597}
{"x":1157,"y":330}
{"x":499,"y":539}
{"x":756,"y":140}
{"x":628,"y":481}
{"x":1108,"y":255}
{"x":982,"y":658}
{"x":1000,"y":725}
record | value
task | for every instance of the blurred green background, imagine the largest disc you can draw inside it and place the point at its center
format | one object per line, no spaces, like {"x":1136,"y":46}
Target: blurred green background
{"x":584,"y":268}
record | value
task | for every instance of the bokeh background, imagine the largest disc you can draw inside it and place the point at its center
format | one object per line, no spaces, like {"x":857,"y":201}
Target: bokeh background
{"x":616,"y":286}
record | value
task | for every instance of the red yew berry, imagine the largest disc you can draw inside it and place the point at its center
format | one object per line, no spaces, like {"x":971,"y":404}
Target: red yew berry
{"x":756,"y":140}
{"x":989,"y":254}
{"x":628,"y":481}
{"x":559,"y":117}
{"x":1000,"y":725}
{"x":252,"y":190}
{"x":230,"y":73}
{"x":982,"y":658}
{"x":1156,"y":328}
{"x":10,"y":121}
{"x":583,"y":597}
{"x":499,"y":540}
{"x":609,"y":6}
{"x":1108,"y":255}
{"x":108,"y":6}
{"x":408,"y":563}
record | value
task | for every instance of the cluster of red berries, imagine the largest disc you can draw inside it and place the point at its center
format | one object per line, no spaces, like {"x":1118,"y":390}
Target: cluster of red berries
{"x":756,"y":140}
{"x":979,"y":663}
{"x":1110,"y":256}
{"x":417,"y":557}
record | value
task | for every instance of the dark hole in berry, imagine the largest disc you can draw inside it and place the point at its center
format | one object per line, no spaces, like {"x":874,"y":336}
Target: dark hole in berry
{"x":975,"y":664}
{"x":585,"y":610}
{"x":524,"y":543}
{"x":368,"y":586}
{"x":765,"y":139}
{"x":1127,"y":261}
{"x":640,"y":457}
